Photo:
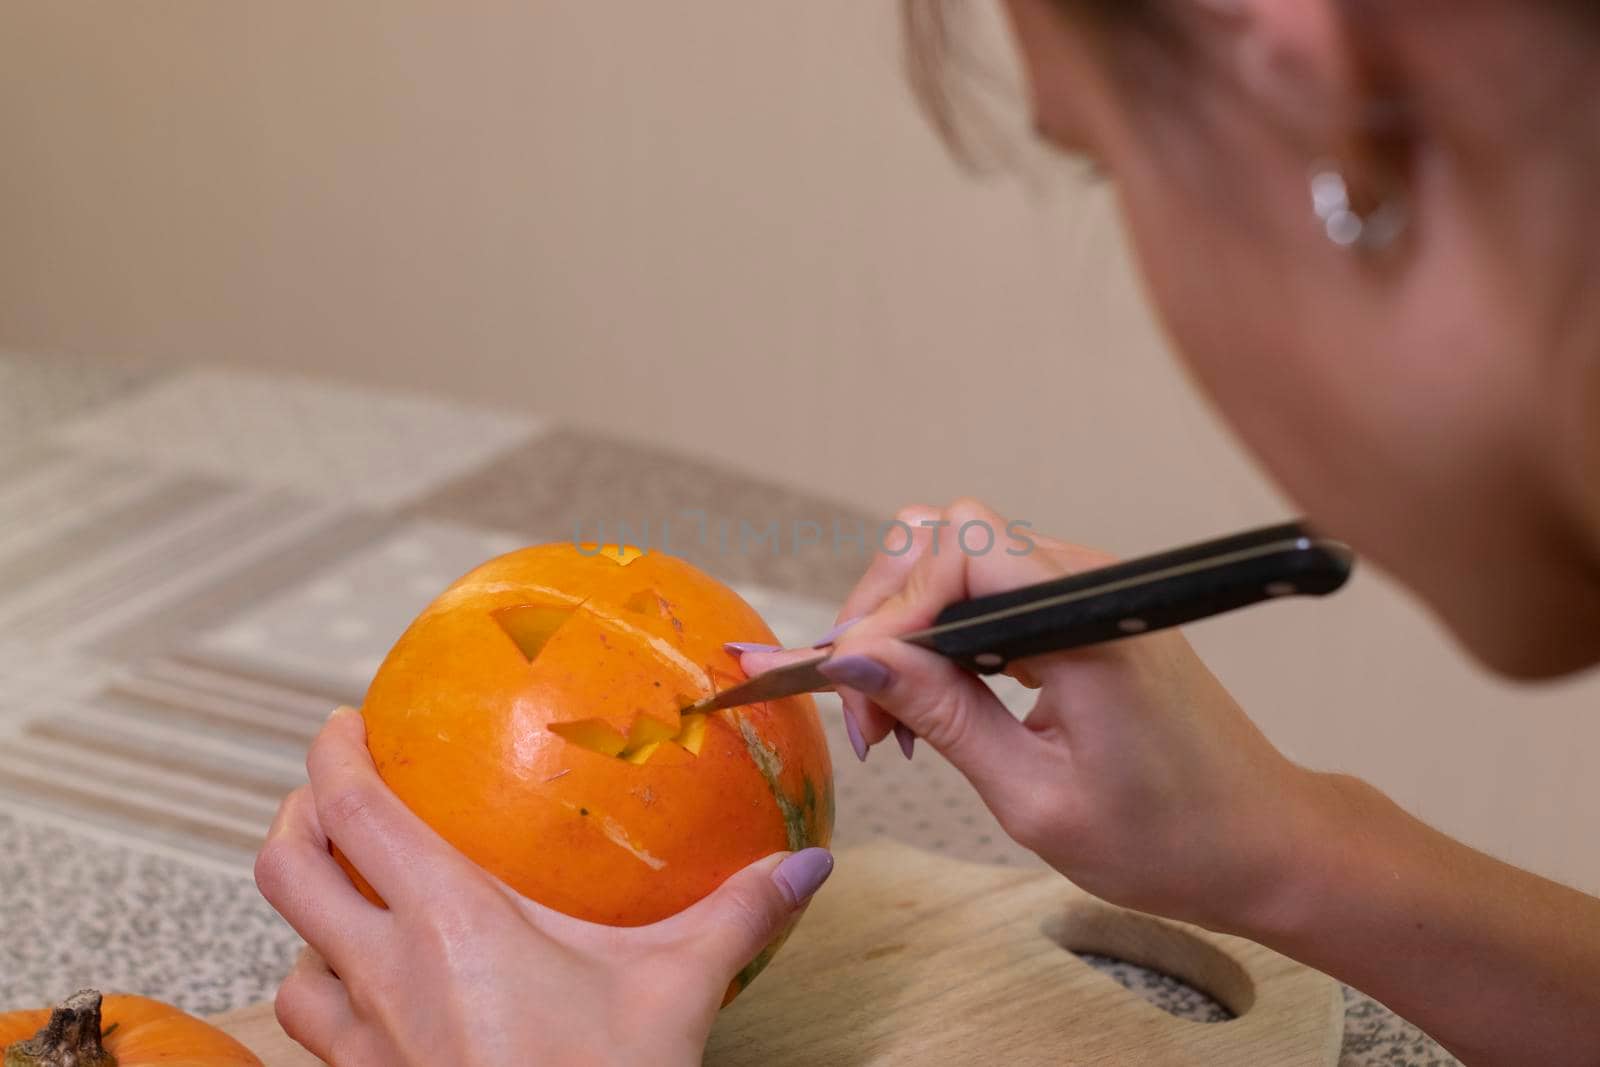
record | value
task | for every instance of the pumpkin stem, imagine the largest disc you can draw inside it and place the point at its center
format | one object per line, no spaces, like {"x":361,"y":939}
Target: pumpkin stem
{"x":70,"y":1039}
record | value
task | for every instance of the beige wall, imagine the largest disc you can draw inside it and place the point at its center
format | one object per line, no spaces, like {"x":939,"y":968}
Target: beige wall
{"x":719,"y":226}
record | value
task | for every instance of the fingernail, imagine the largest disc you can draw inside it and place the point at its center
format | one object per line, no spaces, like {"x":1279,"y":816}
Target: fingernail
{"x":861,"y":673}
{"x":907,"y":739}
{"x":739,"y":648}
{"x":342,"y":709}
{"x":803,"y":873}
{"x":833,"y":634}
{"x":853,"y":731}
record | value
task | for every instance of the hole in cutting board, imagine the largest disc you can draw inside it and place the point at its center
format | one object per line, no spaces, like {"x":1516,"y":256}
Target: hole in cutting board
{"x":1171,"y":995}
{"x":1176,"y":972}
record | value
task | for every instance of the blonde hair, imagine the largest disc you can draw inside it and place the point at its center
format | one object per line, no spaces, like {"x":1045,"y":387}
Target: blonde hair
{"x":950,"y":83}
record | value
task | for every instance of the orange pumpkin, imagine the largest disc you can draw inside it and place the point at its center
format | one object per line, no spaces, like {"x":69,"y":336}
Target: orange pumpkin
{"x":532,"y":716}
{"x":117,"y":1031}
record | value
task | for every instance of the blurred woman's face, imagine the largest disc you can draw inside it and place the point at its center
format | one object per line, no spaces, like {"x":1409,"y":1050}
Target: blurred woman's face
{"x":1421,"y":400}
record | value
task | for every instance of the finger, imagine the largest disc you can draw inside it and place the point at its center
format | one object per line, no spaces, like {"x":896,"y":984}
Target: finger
{"x":975,"y":552}
{"x":1071,"y":558}
{"x":314,"y":962}
{"x":755,"y":663}
{"x":855,"y":709}
{"x":859,"y":716}
{"x":399,"y":855}
{"x":952,"y":710}
{"x":300,"y":878}
{"x":963,"y":551}
{"x":730,"y":927}
{"x":973,"y":555}
{"x":977,"y":545}
{"x":950,"y":570}
{"x":1020,"y":672}
{"x":313,"y":1006}
{"x":902,"y":541}
{"x":922,"y":531}
{"x":911,"y":533}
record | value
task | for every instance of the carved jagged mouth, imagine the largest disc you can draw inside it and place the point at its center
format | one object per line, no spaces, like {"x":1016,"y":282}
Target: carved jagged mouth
{"x":643,"y":740}
{"x":532,"y":626}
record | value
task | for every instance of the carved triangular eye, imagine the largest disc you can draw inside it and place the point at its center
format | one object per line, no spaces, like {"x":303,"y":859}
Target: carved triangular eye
{"x":531,"y":626}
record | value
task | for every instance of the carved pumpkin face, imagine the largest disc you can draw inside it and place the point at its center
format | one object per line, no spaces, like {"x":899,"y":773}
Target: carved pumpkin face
{"x":532,"y":716}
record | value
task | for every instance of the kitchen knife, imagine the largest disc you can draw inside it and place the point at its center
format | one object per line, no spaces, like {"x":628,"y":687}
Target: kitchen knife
{"x":1138,"y":596}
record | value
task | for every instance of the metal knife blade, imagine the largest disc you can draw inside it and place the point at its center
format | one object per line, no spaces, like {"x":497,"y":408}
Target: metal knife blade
{"x":789,"y":680}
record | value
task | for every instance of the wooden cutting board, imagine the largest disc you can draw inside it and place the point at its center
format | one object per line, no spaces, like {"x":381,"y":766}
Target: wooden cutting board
{"x":907,"y":957}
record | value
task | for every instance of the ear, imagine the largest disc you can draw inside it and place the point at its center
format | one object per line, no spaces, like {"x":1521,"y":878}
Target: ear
{"x":1325,"y":79}
{"x":1298,"y":60}
{"x":1064,"y":74}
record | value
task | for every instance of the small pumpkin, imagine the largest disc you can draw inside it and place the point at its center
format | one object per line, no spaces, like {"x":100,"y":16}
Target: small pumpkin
{"x":533,"y":716}
{"x":86,"y":1030}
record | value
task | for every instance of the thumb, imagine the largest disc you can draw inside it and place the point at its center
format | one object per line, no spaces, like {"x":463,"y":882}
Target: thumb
{"x":730,"y":927}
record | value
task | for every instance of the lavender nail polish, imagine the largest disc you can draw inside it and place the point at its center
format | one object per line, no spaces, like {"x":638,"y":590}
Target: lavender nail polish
{"x":861,"y":673}
{"x":739,"y":648}
{"x":803,"y":873}
{"x":857,"y":742}
{"x":907,"y":739}
{"x":833,"y":634}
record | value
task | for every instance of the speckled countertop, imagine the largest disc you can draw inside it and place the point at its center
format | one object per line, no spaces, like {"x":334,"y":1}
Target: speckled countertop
{"x":196,"y":566}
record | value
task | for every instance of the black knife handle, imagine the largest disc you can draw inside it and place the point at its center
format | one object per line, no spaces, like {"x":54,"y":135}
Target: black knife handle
{"x":1138,"y":596}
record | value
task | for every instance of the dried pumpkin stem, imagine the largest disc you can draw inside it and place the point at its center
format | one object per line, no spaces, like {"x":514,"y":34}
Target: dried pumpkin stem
{"x":70,"y":1039}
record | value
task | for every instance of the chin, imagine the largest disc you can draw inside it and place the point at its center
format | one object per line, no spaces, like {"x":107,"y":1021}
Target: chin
{"x":1532,"y":639}
{"x":1531,"y":661}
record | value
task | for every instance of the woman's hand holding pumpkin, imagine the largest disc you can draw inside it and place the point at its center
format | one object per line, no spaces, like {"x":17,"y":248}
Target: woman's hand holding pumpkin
{"x":1136,"y":774}
{"x":460,"y":969}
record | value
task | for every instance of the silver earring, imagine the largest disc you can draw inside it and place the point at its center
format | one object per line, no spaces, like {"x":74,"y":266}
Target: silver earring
{"x":1344,"y":225}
